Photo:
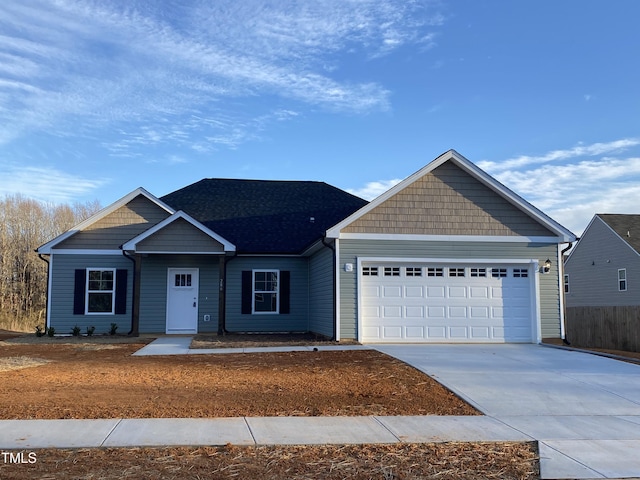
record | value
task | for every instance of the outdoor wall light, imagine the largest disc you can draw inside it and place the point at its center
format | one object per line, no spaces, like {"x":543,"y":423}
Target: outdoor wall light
{"x":546,"y":267}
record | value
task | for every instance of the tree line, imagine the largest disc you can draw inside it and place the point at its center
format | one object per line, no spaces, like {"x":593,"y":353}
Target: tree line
{"x":26,"y":224}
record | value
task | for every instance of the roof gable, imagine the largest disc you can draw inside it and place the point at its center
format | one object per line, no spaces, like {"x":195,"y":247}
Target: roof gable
{"x":112,"y":226}
{"x":451,"y":196}
{"x":179,"y":233}
{"x":626,"y":226}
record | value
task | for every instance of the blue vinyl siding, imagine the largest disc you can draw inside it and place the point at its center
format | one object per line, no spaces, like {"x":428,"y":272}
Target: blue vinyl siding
{"x":153,"y":290}
{"x":295,"y":321}
{"x":321,"y":293}
{"x":61,"y":317}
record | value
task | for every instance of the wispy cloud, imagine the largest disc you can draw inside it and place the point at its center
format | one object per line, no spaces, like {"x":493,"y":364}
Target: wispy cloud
{"x":374,"y":189}
{"x":72,"y":67}
{"x":584,"y":183}
{"x":45,"y":184}
{"x":579,"y":151}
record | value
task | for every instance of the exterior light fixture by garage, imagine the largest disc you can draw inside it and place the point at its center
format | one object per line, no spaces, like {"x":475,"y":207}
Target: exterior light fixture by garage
{"x":546,"y":268}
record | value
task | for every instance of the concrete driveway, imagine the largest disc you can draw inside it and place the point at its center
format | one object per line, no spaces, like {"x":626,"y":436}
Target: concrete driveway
{"x":583,"y":409}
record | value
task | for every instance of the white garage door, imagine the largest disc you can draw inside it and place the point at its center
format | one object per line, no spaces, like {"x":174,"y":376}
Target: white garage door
{"x":445,"y":303}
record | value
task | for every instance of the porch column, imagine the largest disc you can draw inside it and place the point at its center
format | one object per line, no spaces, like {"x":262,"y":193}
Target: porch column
{"x":222,"y":298}
{"x":135,"y":308}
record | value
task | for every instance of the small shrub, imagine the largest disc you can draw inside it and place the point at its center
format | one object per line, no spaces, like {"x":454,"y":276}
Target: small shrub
{"x":39,"y":331}
{"x":112,"y":330}
{"x":51,"y":331}
{"x":90,"y":331}
{"x":75,"y":331}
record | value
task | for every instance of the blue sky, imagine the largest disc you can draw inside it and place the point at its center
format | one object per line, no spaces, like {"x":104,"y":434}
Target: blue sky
{"x":100,"y":97}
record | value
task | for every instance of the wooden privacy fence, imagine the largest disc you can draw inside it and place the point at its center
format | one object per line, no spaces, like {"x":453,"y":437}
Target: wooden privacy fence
{"x":615,"y":328}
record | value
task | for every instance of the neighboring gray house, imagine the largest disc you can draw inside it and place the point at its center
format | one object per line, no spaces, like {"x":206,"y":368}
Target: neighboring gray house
{"x":602,"y":283}
{"x":447,"y":255}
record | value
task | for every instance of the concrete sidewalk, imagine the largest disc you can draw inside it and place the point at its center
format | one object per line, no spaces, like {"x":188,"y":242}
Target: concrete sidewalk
{"x":31,"y":434}
{"x":181,"y":346}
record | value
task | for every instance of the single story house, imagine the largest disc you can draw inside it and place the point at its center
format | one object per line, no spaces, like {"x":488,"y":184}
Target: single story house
{"x":447,"y":255}
{"x":602,"y":284}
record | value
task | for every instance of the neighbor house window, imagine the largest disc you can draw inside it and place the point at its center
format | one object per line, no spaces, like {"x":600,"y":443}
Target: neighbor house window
{"x":265,"y":291}
{"x":566,"y":283}
{"x":622,"y":279}
{"x":100,"y":290}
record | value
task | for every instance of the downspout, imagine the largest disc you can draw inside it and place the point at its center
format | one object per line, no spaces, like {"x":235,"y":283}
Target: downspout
{"x":46,"y":304}
{"x":134,"y":322}
{"x":565,"y":340}
{"x":335,"y":290}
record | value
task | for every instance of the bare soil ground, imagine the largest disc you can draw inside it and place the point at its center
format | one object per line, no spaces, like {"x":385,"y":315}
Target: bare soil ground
{"x":98,"y":378}
{"x":87,"y":378}
{"x":363,"y":462}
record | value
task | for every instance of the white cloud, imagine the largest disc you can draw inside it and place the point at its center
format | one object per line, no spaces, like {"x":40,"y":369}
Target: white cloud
{"x":374,"y":189}
{"x":72,"y":67}
{"x":572,"y":193}
{"x":45,"y":184}
{"x":558,"y":155}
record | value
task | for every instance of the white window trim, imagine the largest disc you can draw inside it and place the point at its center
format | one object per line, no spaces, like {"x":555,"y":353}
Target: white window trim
{"x":87,"y":291}
{"x":623,"y":279}
{"x":253,"y":291}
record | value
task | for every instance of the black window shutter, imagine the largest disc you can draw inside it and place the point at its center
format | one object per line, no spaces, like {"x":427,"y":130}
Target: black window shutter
{"x":285,"y":291}
{"x":247,"y":289}
{"x":121,"y":291}
{"x":79,"y":291}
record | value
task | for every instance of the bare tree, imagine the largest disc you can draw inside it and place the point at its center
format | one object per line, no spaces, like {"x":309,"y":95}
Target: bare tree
{"x":25,"y":224}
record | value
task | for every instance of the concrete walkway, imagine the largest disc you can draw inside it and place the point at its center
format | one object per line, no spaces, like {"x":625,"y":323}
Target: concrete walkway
{"x":584,"y":410}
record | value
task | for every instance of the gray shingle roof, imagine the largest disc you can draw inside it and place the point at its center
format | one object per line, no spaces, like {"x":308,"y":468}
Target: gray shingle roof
{"x":265,"y":216}
{"x":625,"y":225}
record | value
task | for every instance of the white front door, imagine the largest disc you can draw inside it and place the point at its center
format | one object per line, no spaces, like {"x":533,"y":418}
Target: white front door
{"x":182,"y":300}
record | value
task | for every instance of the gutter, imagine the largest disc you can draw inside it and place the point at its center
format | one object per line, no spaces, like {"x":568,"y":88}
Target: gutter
{"x":335,"y":289}
{"x":46,"y":304}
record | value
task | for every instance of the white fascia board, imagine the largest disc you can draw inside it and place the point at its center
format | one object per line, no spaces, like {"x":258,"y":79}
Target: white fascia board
{"x":46,"y":248}
{"x":131,"y":244}
{"x":475,"y":172}
{"x":449,"y":238}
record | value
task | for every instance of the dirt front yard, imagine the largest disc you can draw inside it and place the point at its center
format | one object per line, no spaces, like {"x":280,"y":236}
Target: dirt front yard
{"x":98,"y":378}
{"x":89,"y":379}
